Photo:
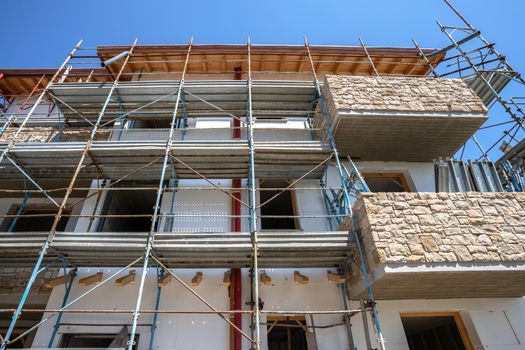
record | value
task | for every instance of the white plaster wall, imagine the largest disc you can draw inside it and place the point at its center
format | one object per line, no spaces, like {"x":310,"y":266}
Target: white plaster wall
{"x":499,"y":324}
{"x":199,"y":202}
{"x":91,"y":206}
{"x":291,"y":129}
{"x":176,"y":331}
{"x":420,"y":176}
{"x":173,"y":332}
{"x":318,"y":294}
{"x":311,"y":203}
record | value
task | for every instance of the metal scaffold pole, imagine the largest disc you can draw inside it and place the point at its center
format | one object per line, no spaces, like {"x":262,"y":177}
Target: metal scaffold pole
{"x":422,"y":54}
{"x":156,"y":210}
{"x":37,"y":102}
{"x":253,"y":212}
{"x":478,"y":61}
{"x":36,"y":268}
{"x":160,"y":275}
{"x":68,"y":283}
{"x":69,"y":190}
{"x":346,"y":196}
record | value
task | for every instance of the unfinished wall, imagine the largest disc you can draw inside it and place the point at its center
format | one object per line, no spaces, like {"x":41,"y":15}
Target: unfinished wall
{"x":496,"y":323}
{"x":285,"y":294}
{"x":13,"y":280}
{"x":189,"y":204}
{"x":52,"y":134}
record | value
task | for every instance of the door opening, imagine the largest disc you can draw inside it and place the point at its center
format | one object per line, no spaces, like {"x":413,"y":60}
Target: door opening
{"x":286,"y":333}
{"x":98,"y":340}
{"x":435,"y":331}
{"x":42,"y":219}
{"x":121,"y":202}
{"x":281,"y":209}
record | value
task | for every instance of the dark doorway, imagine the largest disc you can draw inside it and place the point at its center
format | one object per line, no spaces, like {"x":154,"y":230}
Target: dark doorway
{"x":87,"y":340}
{"x":441,"y":332}
{"x":28,"y":223}
{"x":286,"y":333}
{"x":282,"y":206}
{"x":128,"y":202}
{"x":95,"y":340}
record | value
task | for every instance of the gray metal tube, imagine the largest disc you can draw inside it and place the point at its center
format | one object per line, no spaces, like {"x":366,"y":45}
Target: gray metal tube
{"x":115,"y":58}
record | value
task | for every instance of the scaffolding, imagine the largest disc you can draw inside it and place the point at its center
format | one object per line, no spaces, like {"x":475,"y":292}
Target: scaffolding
{"x":112,"y":107}
{"x":488,"y":72}
{"x":137,"y":86}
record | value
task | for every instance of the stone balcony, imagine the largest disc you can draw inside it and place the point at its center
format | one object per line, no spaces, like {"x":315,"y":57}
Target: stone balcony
{"x":442,"y":245}
{"x":399,"y":118}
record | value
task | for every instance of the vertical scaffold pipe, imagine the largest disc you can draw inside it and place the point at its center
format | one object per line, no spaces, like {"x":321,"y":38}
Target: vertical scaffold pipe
{"x":153,"y":228}
{"x":253,"y":211}
{"x":45,"y":246}
{"x":68,"y":278}
{"x":69,"y":190}
{"x":38,"y":100}
{"x":160,"y":275}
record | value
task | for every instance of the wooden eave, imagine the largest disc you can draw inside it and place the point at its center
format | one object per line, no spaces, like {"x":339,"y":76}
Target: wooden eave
{"x":20,"y":81}
{"x":218,"y":59}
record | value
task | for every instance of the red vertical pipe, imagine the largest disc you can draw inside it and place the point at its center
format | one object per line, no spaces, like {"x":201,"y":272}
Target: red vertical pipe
{"x":237,"y":122}
{"x":236,"y":281}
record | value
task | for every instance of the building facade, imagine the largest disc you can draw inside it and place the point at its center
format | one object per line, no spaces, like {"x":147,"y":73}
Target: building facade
{"x":253,"y":196}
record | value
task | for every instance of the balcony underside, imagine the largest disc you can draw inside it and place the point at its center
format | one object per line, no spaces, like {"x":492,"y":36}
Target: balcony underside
{"x":397,"y":137}
{"x":276,"y":249}
{"x":442,"y":245}
{"x":226,"y":159}
{"x":156,"y":99}
{"x":437,"y":281}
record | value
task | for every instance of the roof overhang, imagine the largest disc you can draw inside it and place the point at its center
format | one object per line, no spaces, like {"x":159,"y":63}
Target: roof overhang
{"x":226,"y":58}
{"x":21,"y":81}
{"x":216,"y":58}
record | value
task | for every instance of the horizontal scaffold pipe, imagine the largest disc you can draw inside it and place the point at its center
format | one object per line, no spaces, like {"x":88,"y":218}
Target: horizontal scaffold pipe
{"x":123,"y":216}
{"x":167,"y":189}
{"x":210,"y":312}
{"x":111,"y":311}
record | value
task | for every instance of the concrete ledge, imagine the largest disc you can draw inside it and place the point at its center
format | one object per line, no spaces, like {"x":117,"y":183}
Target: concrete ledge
{"x":410,"y":118}
{"x":444,"y":281}
{"x":403,"y":136}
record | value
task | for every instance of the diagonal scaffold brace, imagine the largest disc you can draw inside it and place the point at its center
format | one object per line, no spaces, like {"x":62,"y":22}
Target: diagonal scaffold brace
{"x":62,"y":206}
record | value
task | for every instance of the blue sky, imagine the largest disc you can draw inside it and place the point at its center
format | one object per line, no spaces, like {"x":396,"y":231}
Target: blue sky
{"x":40,"y":33}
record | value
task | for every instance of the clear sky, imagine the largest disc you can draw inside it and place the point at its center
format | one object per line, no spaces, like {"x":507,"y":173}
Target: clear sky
{"x":41,"y":33}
